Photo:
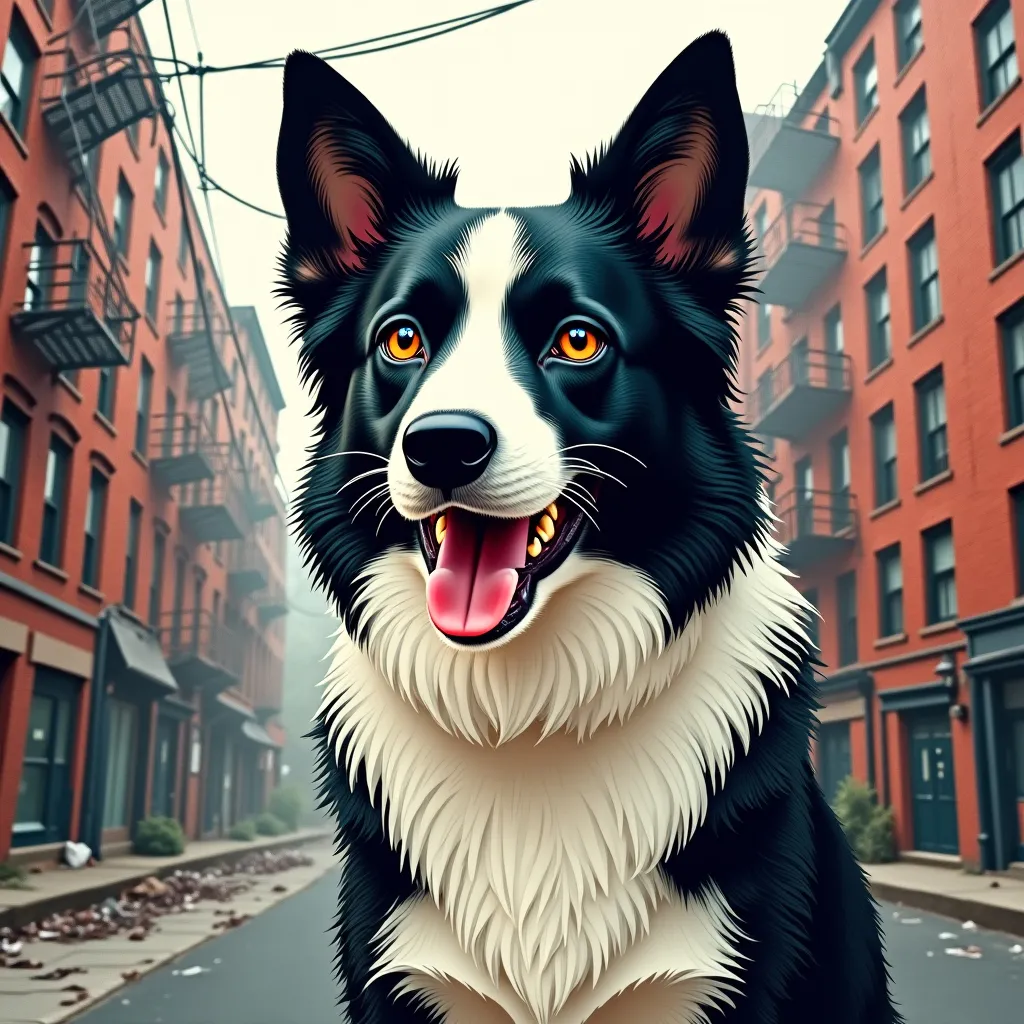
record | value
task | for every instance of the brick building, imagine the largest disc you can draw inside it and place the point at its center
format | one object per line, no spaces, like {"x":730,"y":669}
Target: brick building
{"x":141,"y":536}
{"x":884,"y":373}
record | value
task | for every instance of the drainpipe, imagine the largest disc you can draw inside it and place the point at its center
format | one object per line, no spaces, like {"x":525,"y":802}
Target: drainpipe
{"x":978,"y":715}
{"x":94,"y":789}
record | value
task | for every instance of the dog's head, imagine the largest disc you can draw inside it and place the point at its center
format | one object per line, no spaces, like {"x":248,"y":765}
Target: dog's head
{"x":504,"y":395}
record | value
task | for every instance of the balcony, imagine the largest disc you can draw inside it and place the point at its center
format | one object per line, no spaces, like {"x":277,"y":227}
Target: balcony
{"x":816,"y":526}
{"x":93,"y":98}
{"x":214,"y":509}
{"x":248,"y":568}
{"x":802,"y":248}
{"x":804,"y":390}
{"x":102,"y":16}
{"x":790,"y":145}
{"x":75,"y":311}
{"x":201,"y":652}
{"x":272,"y":603}
{"x":197,"y":345}
{"x":182,"y":450}
{"x":268,"y":688}
{"x":259,"y":503}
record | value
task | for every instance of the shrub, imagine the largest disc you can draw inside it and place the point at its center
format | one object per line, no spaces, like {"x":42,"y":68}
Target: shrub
{"x":869,"y":827}
{"x":159,"y":837}
{"x":243,"y":831}
{"x":268,"y":824}
{"x":286,"y":804}
{"x":12,"y":876}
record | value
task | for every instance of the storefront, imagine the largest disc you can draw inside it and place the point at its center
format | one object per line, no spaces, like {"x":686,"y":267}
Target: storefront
{"x":995,"y":644}
{"x":844,"y":743}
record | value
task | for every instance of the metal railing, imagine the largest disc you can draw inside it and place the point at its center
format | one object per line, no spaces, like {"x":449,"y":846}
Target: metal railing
{"x":186,"y":320}
{"x":805,"y":514}
{"x":812,"y":368}
{"x":800,"y":222}
{"x":182,"y":434}
{"x":225,"y":488}
{"x":787,"y":106}
{"x":248,"y":557}
{"x":104,"y":15}
{"x":188,"y":633}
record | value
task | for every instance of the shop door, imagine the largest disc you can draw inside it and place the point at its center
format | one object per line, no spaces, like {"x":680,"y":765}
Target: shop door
{"x":834,"y":760}
{"x":165,"y":767}
{"x":932,"y":784}
{"x":1017,"y":727}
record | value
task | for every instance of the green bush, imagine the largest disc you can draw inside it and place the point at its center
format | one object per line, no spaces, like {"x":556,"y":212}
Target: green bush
{"x":870,"y":828}
{"x":286,"y":804}
{"x":12,"y":876}
{"x":268,"y":824}
{"x":159,"y":837}
{"x":243,"y":831}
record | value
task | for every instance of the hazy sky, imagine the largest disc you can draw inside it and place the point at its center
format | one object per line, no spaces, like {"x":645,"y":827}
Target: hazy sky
{"x":511,"y":99}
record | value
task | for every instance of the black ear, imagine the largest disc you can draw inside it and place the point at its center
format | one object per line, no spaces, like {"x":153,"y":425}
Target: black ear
{"x":678,"y":167}
{"x":344,"y":173}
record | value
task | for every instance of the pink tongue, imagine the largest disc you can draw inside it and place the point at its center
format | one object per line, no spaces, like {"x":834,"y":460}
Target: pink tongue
{"x":475,"y":580}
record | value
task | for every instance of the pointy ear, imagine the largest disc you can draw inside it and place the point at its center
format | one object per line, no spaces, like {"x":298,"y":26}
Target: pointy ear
{"x":344,"y":173}
{"x":678,"y":167}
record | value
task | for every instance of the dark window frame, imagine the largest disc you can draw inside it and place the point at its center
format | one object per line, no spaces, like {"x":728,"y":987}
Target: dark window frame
{"x":926,"y":306}
{"x":1011,"y":335}
{"x":939,"y":607}
{"x":846,"y":619}
{"x":154,"y":269}
{"x":917,"y":154}
{"x":1007,"y":212}
{"x":1016,"y":495}
{"x":865,"y":79}
{"x":156,"y":576}
{"x":143,"y":407}
{"x":15,"y":425}
{"x":876,"y":296}
{"x":161,"y":184}
{"x":872,"y":196}
{"x":55,"y":504}
{"x":106,"y":394}
{"x":131,"y":556}
{"x":95,"y":527}
{"x":996,"y":74}
{"x":933,"y":440}
{"x":909,"y":31}
{"x":885,"y":465}
{"x":124,"y":201}
{"x":890,"y":598}
{"x":19,"y":36}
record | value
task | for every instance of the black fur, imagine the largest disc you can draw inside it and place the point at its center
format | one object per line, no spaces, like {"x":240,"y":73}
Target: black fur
{"x":770,"y":841}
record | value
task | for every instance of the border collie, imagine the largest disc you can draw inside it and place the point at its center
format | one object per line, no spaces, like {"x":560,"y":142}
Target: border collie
{"x":565,"y":732}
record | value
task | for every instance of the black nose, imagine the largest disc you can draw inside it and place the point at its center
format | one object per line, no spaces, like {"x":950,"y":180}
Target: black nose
{"x":448,"y":449}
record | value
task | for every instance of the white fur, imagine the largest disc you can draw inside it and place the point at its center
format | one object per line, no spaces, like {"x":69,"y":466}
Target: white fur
{"x":536,"y":787}
{"x":525,"y":473}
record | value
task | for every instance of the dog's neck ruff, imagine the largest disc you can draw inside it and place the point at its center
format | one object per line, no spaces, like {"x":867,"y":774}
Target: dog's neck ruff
{"x":542,"y":849}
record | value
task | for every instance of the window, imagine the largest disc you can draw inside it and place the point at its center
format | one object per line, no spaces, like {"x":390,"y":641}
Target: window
{"x":179,"y":315}
{"x":876,"y":292}
{"x":917,"y":142}
{"x":813,"y":622}
{"x":16,"y":74}
{"x":1011,"y":327}
{"x":834,"y":346}
{"x":183,"y":241}
{"x":890,"y":591}
{"x":1006,"y":182}
{"x":153,"y":263}
{"x":839,"y":460}
{"x":924,"y":265}
{"x":7,"y":198}
{"x":846,"y":619}
{"x":865,"y":79}
{"x":940,"y":573}
{"x":931,"y":419}
{"x":871,"y":201}
{"x":39,"y":282}
{"x":909,"y":38}
{"x":13,"y":432}
{"x":163,"y":169}
{"x":827,"y":225}
{"x":143,"y":402}
{"x":95,"y":512}
{"x":170,"y":413}
{"x":1017,"y":505}
{"x":997,"y":50}
{"x":883,"y":442}
{"x":122,"y":728}
{"x":106,"y":394}
{"x":131,"y":561}
{"x":156,"y":578}
{"x":123,"y":201}
{"x":58,"y":461}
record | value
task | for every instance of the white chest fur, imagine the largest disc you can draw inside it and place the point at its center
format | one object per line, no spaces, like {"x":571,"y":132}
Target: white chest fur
{"x":541,"y":854}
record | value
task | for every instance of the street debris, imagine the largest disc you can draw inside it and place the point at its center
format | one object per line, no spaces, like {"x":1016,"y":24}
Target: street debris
{"x":969,"y":926}
{"x":910,"y":920}
{"x":1017,"y":950}
{"x":76,"y":855}
{"x":59,"y":973}
{"x":947,"y":936}
{"x":136,"y":913}
{"x":191,"y":972}
{"x":970,"y":952}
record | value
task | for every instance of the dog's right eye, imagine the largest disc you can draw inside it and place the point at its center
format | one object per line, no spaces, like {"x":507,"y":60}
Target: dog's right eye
{"x":400,"y":342}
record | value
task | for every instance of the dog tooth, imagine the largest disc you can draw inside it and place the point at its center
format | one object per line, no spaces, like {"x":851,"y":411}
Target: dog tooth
{"x":545,"y":528}
{"x":440,"y":528}
{"x":534,"y":548}
{"x":552,"y":510}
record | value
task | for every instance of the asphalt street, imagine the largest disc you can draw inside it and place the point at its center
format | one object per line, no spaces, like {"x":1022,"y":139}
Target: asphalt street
{"x":277,"y":969}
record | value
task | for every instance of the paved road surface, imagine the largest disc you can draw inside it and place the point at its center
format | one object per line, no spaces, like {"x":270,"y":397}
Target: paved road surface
{"x":277,"y":970}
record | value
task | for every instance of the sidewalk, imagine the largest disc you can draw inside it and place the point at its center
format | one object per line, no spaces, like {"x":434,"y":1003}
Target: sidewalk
{"x":67,"y":978}
{"x":61,"y":889}
{"x":991,"y":901}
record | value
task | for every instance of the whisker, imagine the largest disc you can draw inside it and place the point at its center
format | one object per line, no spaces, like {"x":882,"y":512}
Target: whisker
{"x":362,"y":476}
{"x":609,"y":447}
{"x":575,"y":498}
{"x":581,"y":492}
{"x":383,"y":517}
{"x":590,"y":469}
{"x":365,"y":500}
{"x":338,"y":455}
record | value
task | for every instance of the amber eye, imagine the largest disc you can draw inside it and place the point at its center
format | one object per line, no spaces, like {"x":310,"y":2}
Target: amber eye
{"x":578,"y":343}
{"x":401,"y":342}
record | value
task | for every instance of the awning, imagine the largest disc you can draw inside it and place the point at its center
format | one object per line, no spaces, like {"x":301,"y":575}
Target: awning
{"x":230,"y":703}
{"x":137,"y":654}
{"x":256,"y":732}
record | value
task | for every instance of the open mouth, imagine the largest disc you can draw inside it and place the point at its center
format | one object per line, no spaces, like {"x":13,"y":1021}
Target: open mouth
{"x":483,"y":570}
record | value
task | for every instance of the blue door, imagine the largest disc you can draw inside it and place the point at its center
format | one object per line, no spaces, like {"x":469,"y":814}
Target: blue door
{"x":932,"y":784}
{"x":834,"y":759}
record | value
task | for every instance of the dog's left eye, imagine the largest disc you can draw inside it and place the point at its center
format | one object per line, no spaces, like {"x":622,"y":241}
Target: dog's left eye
{"x":578,"y":343}
{"x":401,"y":342}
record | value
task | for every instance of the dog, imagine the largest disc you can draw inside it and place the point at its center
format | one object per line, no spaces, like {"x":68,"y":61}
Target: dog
{"x":565,"y":732}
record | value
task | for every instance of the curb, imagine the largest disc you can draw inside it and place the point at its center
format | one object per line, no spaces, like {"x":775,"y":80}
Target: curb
{"x":986,"y":915}
{"x":81,"y":899}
